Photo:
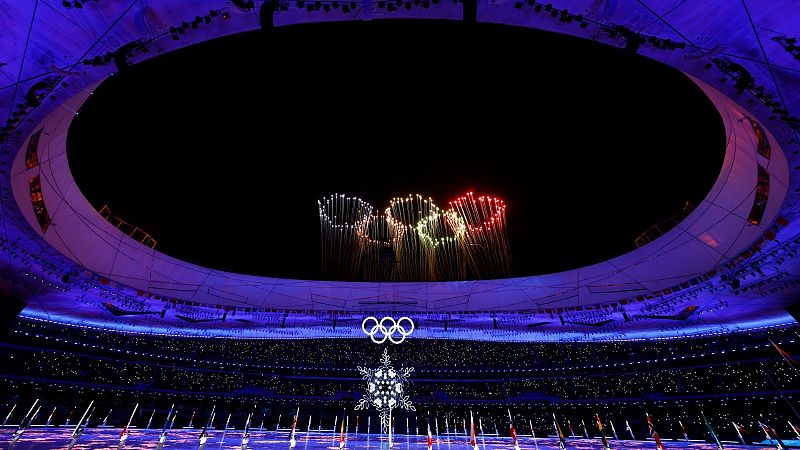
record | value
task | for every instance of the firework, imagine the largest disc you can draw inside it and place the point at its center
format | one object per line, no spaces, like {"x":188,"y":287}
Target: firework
{"x":414,"y":256}
{"x":342,"y":220}
{"x":378,"y":260}
{"x":443,"y":232}
{"x":484,"y":242}
{"x":414,"y":240}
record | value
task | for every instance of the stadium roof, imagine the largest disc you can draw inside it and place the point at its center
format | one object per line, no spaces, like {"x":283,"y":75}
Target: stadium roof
{"x":729,"y":265}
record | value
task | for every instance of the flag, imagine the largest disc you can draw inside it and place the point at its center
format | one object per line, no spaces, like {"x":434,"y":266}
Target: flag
{"x":654,"y":433}
{"x":683,"y":430}
{"x":512,"y":430}
{"x":602,"y":433}
{"x":472,"y":441}
{"x":341,"y":435}
{"x":772,"y":435}
{"x":292,"y":441}
{"x":430,"y":438}
{"x":794,"y":428}
{"x":294,"y":423}
{"x":711,"y":431}
{"x":739,"y":429}
{"x":125,"y":430}
{"x":559,"y":433}
{"x":629,"y":430}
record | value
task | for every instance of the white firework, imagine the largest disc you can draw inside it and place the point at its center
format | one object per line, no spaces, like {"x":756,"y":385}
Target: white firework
{"x":385,"y":389}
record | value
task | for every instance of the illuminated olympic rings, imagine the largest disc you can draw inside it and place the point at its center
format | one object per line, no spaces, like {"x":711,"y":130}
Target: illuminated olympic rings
{"x":396,"y":333}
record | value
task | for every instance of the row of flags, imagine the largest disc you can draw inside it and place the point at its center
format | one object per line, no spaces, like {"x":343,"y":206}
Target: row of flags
{"x":769,"y":432}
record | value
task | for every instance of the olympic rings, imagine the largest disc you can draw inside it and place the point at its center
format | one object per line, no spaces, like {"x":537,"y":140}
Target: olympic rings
{"x":383,"y":333}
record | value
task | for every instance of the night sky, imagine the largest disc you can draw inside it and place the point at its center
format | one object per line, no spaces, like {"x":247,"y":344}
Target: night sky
{"x":221,"y":150}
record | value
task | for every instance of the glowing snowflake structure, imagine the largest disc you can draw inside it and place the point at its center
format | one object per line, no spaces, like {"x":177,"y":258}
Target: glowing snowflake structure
{"x":385,"y":389}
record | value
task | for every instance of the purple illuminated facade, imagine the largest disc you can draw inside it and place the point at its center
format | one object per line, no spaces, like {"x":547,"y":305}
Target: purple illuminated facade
{"x":729,"y":266}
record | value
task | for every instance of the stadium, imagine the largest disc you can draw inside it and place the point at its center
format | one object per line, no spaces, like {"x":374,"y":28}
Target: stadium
{"x":485,"y":224}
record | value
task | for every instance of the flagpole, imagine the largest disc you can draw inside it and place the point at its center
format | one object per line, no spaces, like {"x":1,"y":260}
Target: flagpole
{"x":25,"y":417}
{"x":8,"y":416}
{"x":341,"y":433}
{"x":628,"y":427}
{"x":163,"y":438}
{"x":168,"y":423}
{"x":738,"y":433}
{"x":513,"y":431}
{"x":654,"y":433}
{"x":246,"y":435}
{"x":770,"y":432}
{"x":603,"y":438}
{"x":125,"y":431}
{"x":69,"y":417}
{"x":613,"y":430}
{"x":472,"y":440}
{"x":764,"y":429}
{"x":794,"y":428}
{"x":227,"y":422}
{"x":559,"y":433}
{"x":50,"y":417}
{"x":292,"y":441}
{"x":711,"y":431}
{"x":24,"y":423}
{"x":151,"y":420}
{"x":35,"y":415}
{"x":430,"y":438}
{"x":203,"y":438}
{"x":80,"y":422}
{"x":76,"y":433}
{"x":105,"y":420}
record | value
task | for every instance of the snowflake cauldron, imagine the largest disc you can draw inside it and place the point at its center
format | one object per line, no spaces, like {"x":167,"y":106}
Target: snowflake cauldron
{"x":385,"y":389}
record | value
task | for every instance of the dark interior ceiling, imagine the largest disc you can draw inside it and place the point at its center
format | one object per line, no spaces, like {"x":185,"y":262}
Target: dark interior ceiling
{"x":221,"y":150}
